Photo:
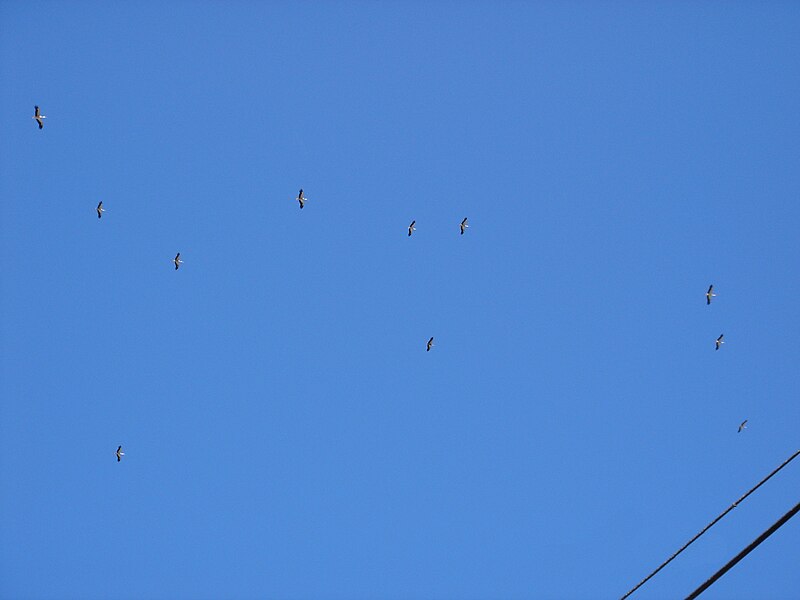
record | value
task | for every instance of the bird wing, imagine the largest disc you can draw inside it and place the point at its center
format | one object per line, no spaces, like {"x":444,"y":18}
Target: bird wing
{"x":41,"y":125}
{"x":119,"y":448}
{"x":711,"y":287}
{"x":100,"y":205}
{"x":36,"y":111}
{"x":464,"y":222}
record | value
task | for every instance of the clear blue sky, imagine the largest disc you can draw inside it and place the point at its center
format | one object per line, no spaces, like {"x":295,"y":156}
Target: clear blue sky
{"x":287,"y":435}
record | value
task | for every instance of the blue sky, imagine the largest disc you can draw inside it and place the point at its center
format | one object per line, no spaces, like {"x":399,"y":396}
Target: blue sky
{"x":286,"y":434}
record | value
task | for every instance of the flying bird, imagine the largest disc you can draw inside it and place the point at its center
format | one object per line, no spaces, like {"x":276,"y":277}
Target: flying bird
{"x":100,"y":210}
{"x":301,"y":199}
{"x":464,"y":225}
{"x":411,"y":228}
{"x":38,"y":116}
{"x":120,"y":453}
{"x":742,"y":426}
{"x":177,"y":261}
{"x":719,"y":341}
{"x":430,"y":345}
{"x":710,"y":294}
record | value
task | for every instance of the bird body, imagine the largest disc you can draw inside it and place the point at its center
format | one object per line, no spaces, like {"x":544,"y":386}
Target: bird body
{"x":464,"y":225}
{"x":710,"y":294}
{"x":119,"y":453}
{"x":178,"y":262}
{"x":430,"y":345}
{"x":38,"y":116}
{"x":411,"y":228}
{"x":719,"y":341}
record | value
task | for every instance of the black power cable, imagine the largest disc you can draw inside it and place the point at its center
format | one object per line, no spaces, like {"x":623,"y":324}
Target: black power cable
{"x":710,"y":525}
{"x":744,"y":552}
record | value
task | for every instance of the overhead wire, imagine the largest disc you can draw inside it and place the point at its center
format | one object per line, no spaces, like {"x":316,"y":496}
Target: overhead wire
{"x":752,"y":546}
{"x":710,"y":525}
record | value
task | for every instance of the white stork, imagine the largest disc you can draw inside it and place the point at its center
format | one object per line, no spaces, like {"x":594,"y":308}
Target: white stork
{"x":742,"y":426}
{"x":38,"y":116}
{"x":119,"y":453}
{"x":301,"y":199}
{"x":178,"y":262}
{"x":719,"y":341}
{"x":464,"y":225}
{"x":411,"y":228}
{"x":430,"y":345}
{"x":710,"y":294}
{"x":100,"y":210}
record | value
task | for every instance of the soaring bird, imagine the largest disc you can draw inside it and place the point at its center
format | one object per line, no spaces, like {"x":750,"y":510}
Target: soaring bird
{"x":300,"y":198}
{"x":742,"y":426}
{"x":38,"y":116}
{"x":430,"y":345}
{"x":411,"y":228}
{"x":464,"y":225}
{"x":719,"y":341}
{"x":177,"y":260}
{"x":710,"y":294}
{"x":100,"y":210}
{"x":120,"y":453}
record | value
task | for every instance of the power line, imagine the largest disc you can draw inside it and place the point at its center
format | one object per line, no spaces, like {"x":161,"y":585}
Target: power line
{"x":710,"y":525}
{"x":744,"y":552}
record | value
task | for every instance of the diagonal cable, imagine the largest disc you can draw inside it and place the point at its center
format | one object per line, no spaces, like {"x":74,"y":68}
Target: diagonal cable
{"x":752,"y":546}
{"x":710,"y":525}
